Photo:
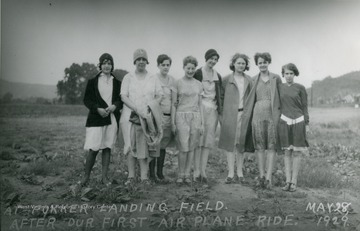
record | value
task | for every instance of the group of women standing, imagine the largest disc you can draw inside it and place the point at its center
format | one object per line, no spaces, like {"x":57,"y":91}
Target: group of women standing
{"x":259,"y":114}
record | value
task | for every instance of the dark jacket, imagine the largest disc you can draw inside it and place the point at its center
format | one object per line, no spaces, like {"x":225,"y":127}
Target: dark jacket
{"x":93,"y":101}
{"x":218,"y":85}
{"x":230,"y":102}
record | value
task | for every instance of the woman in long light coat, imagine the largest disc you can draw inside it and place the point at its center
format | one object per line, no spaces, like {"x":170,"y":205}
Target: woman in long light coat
{"x":235,"y":92}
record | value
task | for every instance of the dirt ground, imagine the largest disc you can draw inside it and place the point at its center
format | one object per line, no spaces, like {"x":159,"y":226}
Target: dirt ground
{"x":42,"y":160}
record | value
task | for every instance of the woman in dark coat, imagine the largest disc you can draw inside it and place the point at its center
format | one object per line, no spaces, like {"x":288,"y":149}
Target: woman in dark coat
{"x":102,"y":98}
{"x":236,"y":88}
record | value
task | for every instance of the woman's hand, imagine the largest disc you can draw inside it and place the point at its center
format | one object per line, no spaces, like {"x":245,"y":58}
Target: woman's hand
{"x":102,"y":112}
{"x":111,"y":109}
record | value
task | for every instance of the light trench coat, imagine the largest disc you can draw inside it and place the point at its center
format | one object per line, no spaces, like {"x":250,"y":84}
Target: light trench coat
{"x":230,"y":101}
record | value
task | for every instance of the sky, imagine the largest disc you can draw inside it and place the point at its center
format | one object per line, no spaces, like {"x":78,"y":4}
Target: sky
{"x":40,"y":38}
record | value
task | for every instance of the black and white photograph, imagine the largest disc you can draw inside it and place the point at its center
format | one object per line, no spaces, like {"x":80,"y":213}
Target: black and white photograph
{"x":180,"y":115}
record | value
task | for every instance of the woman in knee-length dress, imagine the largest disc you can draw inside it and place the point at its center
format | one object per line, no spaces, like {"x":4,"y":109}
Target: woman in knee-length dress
{"x":187,"y":118}
{"x":293,"y":124}
{"x":266,"y":115}
{"x":102,"y":98}
{"x":211,"y":105}
{"x":137,"y":90}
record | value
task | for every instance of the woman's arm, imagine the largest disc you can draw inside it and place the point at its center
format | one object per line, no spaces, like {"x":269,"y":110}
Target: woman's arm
{"x":201,"y":115}
{"x":304,"y":103}
{"x":173,"y":110}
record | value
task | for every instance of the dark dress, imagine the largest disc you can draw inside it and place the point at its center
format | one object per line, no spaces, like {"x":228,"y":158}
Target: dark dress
{"x":263,"y":127}
{"x":293,"y":106}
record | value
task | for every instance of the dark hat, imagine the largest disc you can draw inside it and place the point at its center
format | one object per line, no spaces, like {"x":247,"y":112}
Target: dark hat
{"x":104,"y":57}
{"x":210,"y":53}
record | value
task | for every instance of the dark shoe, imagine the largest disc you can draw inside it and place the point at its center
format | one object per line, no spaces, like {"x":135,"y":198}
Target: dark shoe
{"x":130,"y":181}
{"x":197,"y":179}
{"x":241,"y":180}
{"x":204,"y":180}
{"x":286,"y":187}
{"x":229,"y":180}
{"x":145,"y":182}
{"x":292,"y":187}
{"x":267,"y":184}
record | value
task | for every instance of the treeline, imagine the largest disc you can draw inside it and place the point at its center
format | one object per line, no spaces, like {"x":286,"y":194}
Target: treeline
{"x":71,"y":88}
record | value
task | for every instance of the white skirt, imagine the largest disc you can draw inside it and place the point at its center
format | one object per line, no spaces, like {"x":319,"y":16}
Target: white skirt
{"x":101,"y":137}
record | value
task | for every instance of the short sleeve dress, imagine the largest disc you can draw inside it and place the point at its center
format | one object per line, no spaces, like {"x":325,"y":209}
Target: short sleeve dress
{"x":188,"y":118}
{"x":140,"y":91}
{"x":209,"y":106}
{"x":263,"y":127}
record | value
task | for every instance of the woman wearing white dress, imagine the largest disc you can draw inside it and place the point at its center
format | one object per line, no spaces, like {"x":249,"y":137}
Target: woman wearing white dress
{"x":137,"y":90}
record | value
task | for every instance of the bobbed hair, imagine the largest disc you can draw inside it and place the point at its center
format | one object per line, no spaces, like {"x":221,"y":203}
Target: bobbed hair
{"x":235,"y":57}
{"x":161,"y":58}
{"x":290,"y":66}
{"x":106,"y":57}
{"x":190,"y":59}
{"x":265,"y":55}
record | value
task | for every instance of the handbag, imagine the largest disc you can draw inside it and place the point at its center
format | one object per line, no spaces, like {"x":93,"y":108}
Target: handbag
{"x":134,"y":118}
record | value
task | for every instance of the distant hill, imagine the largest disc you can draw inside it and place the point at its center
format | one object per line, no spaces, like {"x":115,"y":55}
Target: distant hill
{"x":343,"y":89}
{"x":26,"y":90}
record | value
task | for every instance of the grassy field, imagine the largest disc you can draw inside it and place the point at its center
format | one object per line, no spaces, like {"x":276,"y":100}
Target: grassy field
{"x":42,"y":159}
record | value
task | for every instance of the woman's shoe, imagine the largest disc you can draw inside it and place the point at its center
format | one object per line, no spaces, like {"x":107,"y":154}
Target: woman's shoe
{"x":292,"y":187}
{"x":229,"y":180}
{"x":179,"y":181}
{"x":241,"y":180}
{"x":286,"y":187}
{"x":197,"y":179}
{"x":130,"y":181}
{"x":187,"y":180}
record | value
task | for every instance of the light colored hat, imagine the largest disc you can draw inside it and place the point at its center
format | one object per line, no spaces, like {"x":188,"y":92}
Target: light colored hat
{"x":140,"y":53}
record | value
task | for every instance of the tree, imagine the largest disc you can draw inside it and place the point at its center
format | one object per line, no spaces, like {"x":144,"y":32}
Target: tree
{"x":72,"y":88}
{"x":7,"y":98}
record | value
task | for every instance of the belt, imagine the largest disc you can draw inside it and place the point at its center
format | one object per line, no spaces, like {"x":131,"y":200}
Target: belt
{"x":291,"y":121}
{"x":240,"y":109}
{"x":166,"y":114}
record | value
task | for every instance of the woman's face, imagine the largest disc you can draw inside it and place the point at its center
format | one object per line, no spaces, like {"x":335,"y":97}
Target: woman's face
{"x":189,"y":69}
{"x":164,"y":67}
{"x":262,"y":64}
{"x":106,"y":67}
{"x":140,"y":64}
{"x":212,"y":61}
{"x":239,"y":65}
{"x":289,"y":76}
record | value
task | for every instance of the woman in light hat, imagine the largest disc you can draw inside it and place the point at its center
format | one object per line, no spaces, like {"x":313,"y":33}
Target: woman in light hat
{"x":102,"y":98}
{"x":187,"y":118}
{"x":168,"y":86}
{"x":233,"y":133}
{"x":211,"y":106}
{"x":293,"y":124}
{"x":138,"y":89}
